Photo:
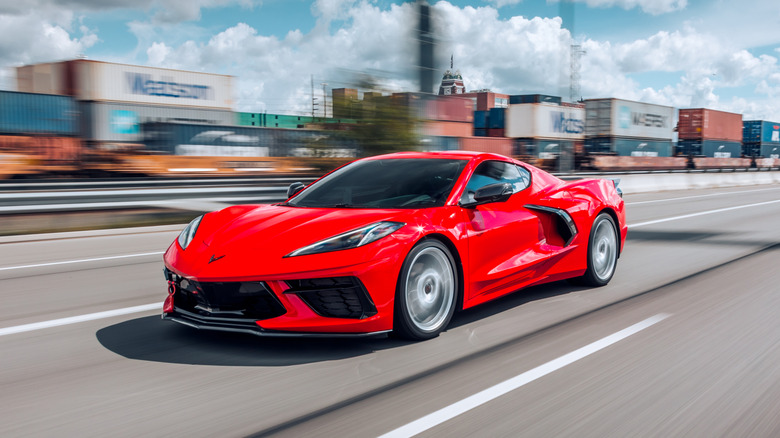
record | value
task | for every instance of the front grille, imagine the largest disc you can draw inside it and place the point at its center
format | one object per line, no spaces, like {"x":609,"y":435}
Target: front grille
{"x":246,"y":300}
{"x":335,"y":297}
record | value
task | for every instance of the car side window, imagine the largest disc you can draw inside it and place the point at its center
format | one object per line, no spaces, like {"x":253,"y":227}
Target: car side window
{"x":491,"y":172}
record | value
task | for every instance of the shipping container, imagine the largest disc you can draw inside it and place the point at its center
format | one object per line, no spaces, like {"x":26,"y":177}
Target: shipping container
{"x":481,"y":119}
{"x":760,"y":131}
{"x":484,"y":100}
{"x":106,"y":122}
{"x":534,"y":98}
{"x":707,"y":124}
{"x":496,"y":132}
{"x":286,"y":121}
{"x":244,"y":141}
{"x":710,"y":148}
{"x":47,"y":78}
{"x":494,"y":145}
{"x":497,"y":118}
{"x":751,"y":149}
{"x":447,"y":129}
{"x":89,"y":80}
{"x":771,"y":150}
{"x":545,"y":121}
{"x":450,"y":109}
{"x":542,"y":148}
{"x":611,"y":117}
{"x":629,"y":147}
{"x":28,"y":113}
{"x":439,"y":143}
{"x":480,"y":132}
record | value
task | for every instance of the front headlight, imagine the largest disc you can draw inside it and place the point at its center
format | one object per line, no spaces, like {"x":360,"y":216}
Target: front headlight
{"x":186,"y":235}
{"x":351,"y":239}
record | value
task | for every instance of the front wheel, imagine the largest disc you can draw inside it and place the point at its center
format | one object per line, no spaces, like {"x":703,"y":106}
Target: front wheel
{"x":602,"y":251}
{"x":426,"y":292}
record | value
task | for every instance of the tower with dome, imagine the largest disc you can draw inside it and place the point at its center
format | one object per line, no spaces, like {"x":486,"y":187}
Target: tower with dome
{"x":451,"y":82}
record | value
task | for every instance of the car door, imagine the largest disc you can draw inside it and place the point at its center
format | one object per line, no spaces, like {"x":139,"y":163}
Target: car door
{"x":502,"y":236}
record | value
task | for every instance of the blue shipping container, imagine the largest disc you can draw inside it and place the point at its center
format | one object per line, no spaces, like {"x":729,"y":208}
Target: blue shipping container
{"x":629,"y":147}
{"x":481,"y":119}
{"x":480,"y":132}
{"x":770,"y":150}
{"x":36,"y":114}
{"x":710,"y":148}
{"x":497,"y":117}
{"x":760,"y":131}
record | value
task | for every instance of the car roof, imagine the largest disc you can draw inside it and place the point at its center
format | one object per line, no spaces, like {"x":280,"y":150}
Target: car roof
{"x":459,"y":155}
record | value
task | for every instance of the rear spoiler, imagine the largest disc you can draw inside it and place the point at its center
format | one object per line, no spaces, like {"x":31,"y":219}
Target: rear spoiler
{"x":616,"y":182}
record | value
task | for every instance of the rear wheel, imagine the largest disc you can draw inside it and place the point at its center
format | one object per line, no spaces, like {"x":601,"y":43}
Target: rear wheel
{"x":426,"y":292}
{"x":602,"y":251}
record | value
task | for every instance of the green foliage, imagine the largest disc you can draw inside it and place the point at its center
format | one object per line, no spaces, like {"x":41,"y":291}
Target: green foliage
{"x":385,"y":124}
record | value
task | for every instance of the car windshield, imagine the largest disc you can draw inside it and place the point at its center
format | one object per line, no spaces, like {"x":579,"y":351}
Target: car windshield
{"x":389,"y":183}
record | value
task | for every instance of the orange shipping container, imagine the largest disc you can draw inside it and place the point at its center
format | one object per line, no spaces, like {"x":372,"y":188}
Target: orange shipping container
{"x":495,"y":145}
{"x":707,"y":124}
{"x":447,"y":129}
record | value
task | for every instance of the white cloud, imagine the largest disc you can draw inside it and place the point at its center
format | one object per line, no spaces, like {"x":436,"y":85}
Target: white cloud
{"x":27,"y":39}
{"x":511,"y":55}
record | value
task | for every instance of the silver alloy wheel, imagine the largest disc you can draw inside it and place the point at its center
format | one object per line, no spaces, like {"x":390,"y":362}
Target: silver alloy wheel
{"x":604,"y":252}
{"x":430,"y":288}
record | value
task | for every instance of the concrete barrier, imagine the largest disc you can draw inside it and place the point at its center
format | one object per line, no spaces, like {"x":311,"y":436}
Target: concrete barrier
{"x":659,"y":182}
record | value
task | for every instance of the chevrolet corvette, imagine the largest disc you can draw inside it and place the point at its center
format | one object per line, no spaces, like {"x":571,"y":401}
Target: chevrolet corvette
{"x":393,"y":243}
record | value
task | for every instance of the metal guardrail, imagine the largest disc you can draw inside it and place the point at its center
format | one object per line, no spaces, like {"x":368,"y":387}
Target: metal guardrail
{"x":47,"y":197}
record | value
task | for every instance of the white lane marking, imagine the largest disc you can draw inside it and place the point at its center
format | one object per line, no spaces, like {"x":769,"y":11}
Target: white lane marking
{"x":480,"y":398}
{"x":95,"y":259}
{"x":701,"y":213}
{"x":79,"y":318}
{"x":700,"y":196}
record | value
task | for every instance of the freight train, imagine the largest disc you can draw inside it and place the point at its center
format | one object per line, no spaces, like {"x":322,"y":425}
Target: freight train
{"x":49,"y":135}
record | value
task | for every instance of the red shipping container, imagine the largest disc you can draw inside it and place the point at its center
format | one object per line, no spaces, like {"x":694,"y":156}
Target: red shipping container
{"x":495,"y":145}
{"x":707,"y":124}
{"x":450,"y":109}
{"x":496,"y":132}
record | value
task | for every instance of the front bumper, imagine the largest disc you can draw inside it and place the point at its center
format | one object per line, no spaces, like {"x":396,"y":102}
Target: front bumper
{"x":350,"y":301}
{"x":246,"y":326}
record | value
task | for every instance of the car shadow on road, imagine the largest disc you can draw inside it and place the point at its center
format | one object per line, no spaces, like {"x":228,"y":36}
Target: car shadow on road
{"x":511,"y":301}
{"x":152,"y":339}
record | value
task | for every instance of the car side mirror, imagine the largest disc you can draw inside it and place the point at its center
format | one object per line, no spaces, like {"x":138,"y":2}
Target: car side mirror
{"x":498,"y":192}
{"x":294,"y":189}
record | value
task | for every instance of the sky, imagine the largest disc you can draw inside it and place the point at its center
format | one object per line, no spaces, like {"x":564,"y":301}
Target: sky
{"x":714,"y":54}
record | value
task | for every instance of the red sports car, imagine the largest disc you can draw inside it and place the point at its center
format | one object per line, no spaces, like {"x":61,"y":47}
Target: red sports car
{"x":393,"y":243}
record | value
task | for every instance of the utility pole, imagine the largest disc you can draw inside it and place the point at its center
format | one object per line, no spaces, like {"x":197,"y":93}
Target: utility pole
{"x":325,"y":99}
{"x":574,"y":72}
{"x":313,"y":99}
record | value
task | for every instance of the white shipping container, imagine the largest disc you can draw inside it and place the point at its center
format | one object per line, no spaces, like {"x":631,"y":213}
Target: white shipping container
{"x":541,"y":120}
{"x":108,"y":82}
{"x":625,"y":118}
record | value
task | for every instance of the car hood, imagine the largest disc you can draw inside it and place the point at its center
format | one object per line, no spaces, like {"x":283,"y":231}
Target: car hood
{"x":263,"y":235}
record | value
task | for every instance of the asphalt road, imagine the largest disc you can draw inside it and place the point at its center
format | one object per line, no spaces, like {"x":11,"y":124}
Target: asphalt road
{"x":683,"y":342}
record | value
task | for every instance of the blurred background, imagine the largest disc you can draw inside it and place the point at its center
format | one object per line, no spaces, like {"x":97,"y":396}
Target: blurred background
{"x":292,"y":92}
{"x":121,"y":121}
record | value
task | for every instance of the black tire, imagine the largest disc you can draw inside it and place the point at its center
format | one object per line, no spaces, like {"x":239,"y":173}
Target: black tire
{"x":603,"y":250}
{"x":426,"y":292}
